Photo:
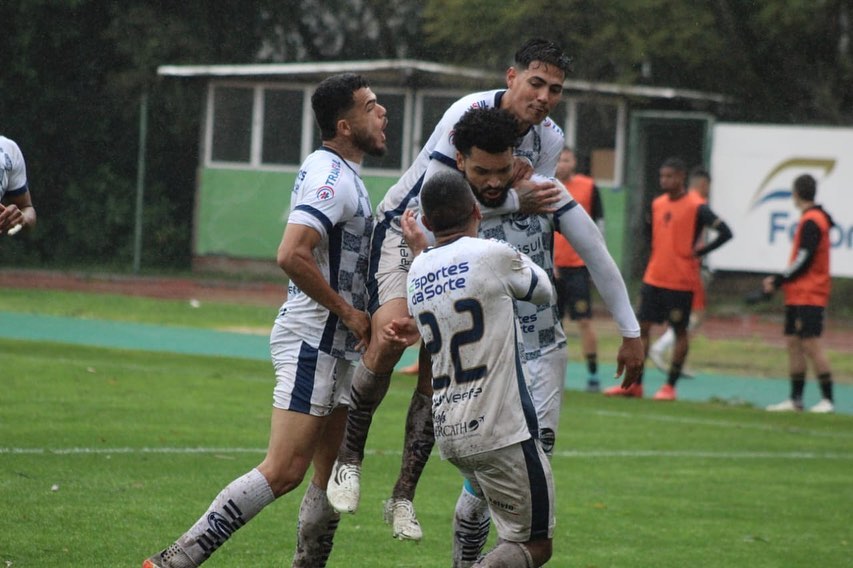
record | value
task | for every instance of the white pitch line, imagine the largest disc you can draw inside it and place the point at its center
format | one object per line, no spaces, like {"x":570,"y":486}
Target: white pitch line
{"x":578,"y":454}
{"x":724,"y":424}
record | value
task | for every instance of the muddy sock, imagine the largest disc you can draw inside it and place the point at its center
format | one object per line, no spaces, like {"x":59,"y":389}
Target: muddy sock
{"x":420,"y":438}
{"x":315,"y":530}
{"x":507,"y":554}
{"x":368,"y":390}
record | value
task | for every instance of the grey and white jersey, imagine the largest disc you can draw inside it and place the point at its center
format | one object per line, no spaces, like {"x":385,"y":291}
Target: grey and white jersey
{"x":13,"y":169}
{"x":534,"y":236}
{"x":541,"y":144}
{"x":463,"y":295}
{"x":329,"y":196}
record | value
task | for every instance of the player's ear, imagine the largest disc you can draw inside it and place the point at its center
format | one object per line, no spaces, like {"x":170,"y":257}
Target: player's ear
{"x":460,"y":161}
{"x":511,"y":74}
{"x":476,"y":213}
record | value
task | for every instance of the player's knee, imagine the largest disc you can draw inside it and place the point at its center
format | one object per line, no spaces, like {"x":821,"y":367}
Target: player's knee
{"x":540,"y":550}
{"x":283,"y":479}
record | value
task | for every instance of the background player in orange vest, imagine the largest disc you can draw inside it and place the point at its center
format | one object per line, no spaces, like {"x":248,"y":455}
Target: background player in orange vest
{"x":806,"y":285}
{"x":700,"y":182}
{"x":678,"y":217}
{"x":574,"y":298}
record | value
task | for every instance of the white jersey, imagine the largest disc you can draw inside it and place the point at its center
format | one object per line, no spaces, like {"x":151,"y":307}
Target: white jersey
{"x":462,"y":296}
{"x":329,"y":196}
{"x":13,"y":170}
{"x":541,"y":329}
{"x":541,"y":144}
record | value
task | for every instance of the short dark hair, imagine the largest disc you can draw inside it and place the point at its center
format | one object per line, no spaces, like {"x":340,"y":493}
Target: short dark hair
{"x":700,"y":172}
{"x":332,"y":98}
{"x":676,"y":164}
{"x":447,"y":201}
{"x":805,"y":187}
{"x":490,"y":129}
{"x":537,"y":49}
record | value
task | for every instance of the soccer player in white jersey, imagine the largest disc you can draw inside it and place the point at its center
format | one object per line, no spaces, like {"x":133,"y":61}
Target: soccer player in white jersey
{"x":534,"y":87}
{"x":318,"y":334}
{"x":484,"y":139}
{"x":16,"y":205}
{"x":462,"y":294}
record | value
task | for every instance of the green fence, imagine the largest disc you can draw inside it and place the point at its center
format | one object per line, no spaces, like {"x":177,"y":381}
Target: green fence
{"x":241,"y":213}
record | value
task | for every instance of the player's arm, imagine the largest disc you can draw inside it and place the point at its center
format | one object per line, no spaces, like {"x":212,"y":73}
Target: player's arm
{"x":296,"y":257}
{"x":708,"y":218}
{"x":809,"y":240}
{"x":526,"y":280}
{"x":577,"y":226}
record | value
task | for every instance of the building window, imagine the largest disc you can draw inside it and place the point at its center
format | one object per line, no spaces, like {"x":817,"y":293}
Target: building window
{"x":232,"y":124}
{"x":282,"y":127}
{"x":595,"y":138}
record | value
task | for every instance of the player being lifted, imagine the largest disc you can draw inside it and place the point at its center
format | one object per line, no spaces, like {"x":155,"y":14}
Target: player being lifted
{"x":472,"y":334}
{"x":534,"y":87}
{"x":484,"y":141}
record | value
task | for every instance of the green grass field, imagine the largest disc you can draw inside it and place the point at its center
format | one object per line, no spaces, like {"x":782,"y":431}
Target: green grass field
{"x":106,"y":456}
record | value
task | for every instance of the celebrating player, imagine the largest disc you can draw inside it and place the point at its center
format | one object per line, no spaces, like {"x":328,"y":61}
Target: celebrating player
{"x":317,"y":336}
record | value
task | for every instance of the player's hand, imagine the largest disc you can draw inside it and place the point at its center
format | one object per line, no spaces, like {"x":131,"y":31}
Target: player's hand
{"x":358,"y":322}
{"x":412,"y":233}
{"x":538,"y":197}
{"x":629,"y":361}
{"x":522,"y":169}
{"x":403,"y":332}
{"x":10,"y":217}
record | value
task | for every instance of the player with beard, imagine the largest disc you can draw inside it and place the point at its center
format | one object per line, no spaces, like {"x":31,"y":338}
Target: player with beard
{"x":534,"y":88}
{"x":318,"y":335}
{"x":484,"y":142}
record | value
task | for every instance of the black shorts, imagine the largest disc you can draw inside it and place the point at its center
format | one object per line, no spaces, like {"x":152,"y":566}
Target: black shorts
{"x":574,"y":292}
{"x":659,"y":305}
{"x":804,"y":321}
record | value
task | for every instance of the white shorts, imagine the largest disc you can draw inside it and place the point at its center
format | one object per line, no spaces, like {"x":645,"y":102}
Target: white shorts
{"x":392,"y":266}
{"x":518,"y":485}
{"x":307,"y":380}
{"x":545,"y":378}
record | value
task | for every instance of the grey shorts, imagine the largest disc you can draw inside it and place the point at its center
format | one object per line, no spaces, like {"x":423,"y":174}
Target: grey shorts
{"x":518,"y":485}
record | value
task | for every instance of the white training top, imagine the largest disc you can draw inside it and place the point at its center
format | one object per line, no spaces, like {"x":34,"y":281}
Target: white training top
{"x":330,"y":197}
{"x":541,"y":144}
{"x":462,"y":296}
{"x":13,"y":170}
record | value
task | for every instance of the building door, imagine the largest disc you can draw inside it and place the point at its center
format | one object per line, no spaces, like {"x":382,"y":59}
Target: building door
{"x":653,"y":137}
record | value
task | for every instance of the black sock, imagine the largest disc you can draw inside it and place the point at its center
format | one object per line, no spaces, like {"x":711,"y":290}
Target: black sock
{"x":592,"y":364}
{"x":674,"y":374}
{"x":798,"y":385}
{"x":825,"y":383}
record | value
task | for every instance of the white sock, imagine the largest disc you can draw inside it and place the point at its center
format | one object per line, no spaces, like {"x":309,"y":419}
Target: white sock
{"x":235,"y":506}
{"x":664,"y":342}
{"x":471,"y":522}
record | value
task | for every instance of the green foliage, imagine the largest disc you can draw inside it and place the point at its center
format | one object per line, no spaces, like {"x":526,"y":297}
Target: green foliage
{"x":75,"y":72}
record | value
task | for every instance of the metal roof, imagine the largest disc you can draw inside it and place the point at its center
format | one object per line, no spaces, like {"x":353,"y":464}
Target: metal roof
{"x":411,"y":72}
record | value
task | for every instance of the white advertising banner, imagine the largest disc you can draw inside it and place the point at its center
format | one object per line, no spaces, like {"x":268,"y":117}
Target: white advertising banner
{"x":753,"y":168}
